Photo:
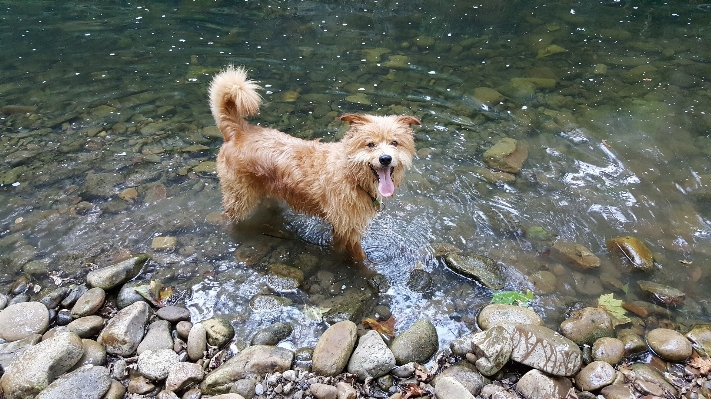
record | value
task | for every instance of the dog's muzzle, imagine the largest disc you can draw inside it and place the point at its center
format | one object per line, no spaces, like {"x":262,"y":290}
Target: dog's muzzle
{"x":385,"y":159}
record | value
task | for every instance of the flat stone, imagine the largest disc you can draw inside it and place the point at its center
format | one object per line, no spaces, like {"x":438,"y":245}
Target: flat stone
{"x":448,"y":388}
{"x":575,"y":254}
{"x":498,"y":313}
{"x":219,"y":331}
{"x":546,"y":350}
{"x":86,"y":382}
{"x":663,"y":294}
{"x":272,"y":334}
{"x":173,"y":314}
{"x":323,"y":391}
{"x":416,"y":344}
{"x":182,"y":374}
{"x":480,"y":268}
{"x":116,"y":274}
{"x":464,"y":373}
{"x":164,"y":243}
{"x":24,"y":319}
{"x":334,"y":348}
{"x":371,"y":358}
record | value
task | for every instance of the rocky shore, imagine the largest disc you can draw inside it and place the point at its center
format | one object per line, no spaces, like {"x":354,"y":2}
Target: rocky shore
{"x":108,"y":339}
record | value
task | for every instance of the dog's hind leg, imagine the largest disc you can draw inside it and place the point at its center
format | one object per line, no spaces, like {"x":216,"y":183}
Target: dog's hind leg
{"x":239,"y":199}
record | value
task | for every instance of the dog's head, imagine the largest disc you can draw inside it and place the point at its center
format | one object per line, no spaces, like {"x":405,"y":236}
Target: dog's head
{"x":380,"y":149}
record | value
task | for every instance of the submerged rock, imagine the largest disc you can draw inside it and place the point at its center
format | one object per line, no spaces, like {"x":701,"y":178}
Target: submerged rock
{"x":586,"y":325}
{"x":480,"y":268}
{"x":575,"y":254}
{"x":662,"y":293}
{"x":633,"y":251}
{"x":116,"y":274}
{"x":506,"y":155}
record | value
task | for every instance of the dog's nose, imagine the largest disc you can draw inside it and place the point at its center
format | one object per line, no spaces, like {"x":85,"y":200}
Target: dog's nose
{"x":385,"y":159}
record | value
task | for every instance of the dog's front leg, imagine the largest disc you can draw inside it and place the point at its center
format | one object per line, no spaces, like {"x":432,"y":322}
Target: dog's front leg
{"x":350,"y":242}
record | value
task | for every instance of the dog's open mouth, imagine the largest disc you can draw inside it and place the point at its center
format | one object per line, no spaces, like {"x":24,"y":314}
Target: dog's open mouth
{"x":385,"y":181}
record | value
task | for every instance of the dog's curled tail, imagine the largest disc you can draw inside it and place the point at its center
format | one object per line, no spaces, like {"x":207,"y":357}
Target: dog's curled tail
{"x":232,"y":94}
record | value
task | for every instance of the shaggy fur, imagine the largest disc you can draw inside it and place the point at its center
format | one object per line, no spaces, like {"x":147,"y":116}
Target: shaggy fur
{"x":341,"y":182}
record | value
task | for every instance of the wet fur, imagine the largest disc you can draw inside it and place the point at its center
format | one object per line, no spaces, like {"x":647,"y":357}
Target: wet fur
{"x":335,"y":181}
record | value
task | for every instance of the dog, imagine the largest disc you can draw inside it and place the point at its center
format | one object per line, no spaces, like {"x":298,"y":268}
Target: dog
{"x":342,"y":182}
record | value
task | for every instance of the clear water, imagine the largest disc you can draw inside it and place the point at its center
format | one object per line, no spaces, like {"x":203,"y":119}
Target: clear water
{"x":113,"y":96}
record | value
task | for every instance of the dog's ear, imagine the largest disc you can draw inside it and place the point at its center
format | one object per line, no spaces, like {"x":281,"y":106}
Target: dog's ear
{"x":408,"y":120}
{"x":355,"y":119}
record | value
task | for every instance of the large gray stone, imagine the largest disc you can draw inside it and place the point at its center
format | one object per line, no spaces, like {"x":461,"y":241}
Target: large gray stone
{"x":449,"y":388}
{"x":41,"y":364}
{"x":86,"y":382}
{"x":124,"y":332}
{"x":464,"y":373}
{"x":372,"y":358}
{"x":546,"y":350}
{"x":22,"y":320}
{"x":416,"y":344}
{"x":11,"y":350}
{"x":116,"y":274}
{"x":334,"y":348}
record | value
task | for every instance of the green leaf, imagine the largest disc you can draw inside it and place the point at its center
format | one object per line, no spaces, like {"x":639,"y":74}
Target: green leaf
{"x":614,"y":308}
{"x":512,"y":298}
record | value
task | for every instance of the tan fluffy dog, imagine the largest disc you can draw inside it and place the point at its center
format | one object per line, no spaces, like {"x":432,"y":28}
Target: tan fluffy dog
{"x":341,"y":182}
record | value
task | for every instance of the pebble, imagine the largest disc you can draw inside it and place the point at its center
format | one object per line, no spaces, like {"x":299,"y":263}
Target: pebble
{"x":173,"y":314}
{"x":334,"y":348}
{"x":608,"y":349}
{"x":183,"y":329}
{"x":157,"y":337}
{"x":323,"y":391}
{"x":372,"y":358}
{"x":448,"y":388}
{"x":595,"y":375}
{"x":669,"y":344}
{"x":155,"y":364}
{"x":538,"y":385}
{"x":89,"y":303}
{"x":22,"y":320}
{"x":87,"y":326}
{"x":219,"y":331}
{"x":586,"y":325}
{"x":124,"y":332}
{"x":464,"y":373}
{"x":116,"y":274}
{"x":197,"y":342}
{"x":183,"y":374}
{"x":416,"y":344}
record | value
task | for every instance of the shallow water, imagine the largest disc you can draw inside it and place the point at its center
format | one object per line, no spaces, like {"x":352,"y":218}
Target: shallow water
{"x":113,"y":96}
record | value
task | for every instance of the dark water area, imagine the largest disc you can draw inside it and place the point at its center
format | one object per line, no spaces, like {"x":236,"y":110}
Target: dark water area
{"x":107,"y":143}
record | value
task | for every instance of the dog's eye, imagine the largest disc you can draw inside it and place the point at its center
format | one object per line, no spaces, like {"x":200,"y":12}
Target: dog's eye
{"x":371,"y":145}
{"x":394,"y":144}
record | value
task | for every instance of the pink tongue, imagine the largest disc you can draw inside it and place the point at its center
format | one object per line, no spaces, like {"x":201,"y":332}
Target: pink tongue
{"x":386,"y":186}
